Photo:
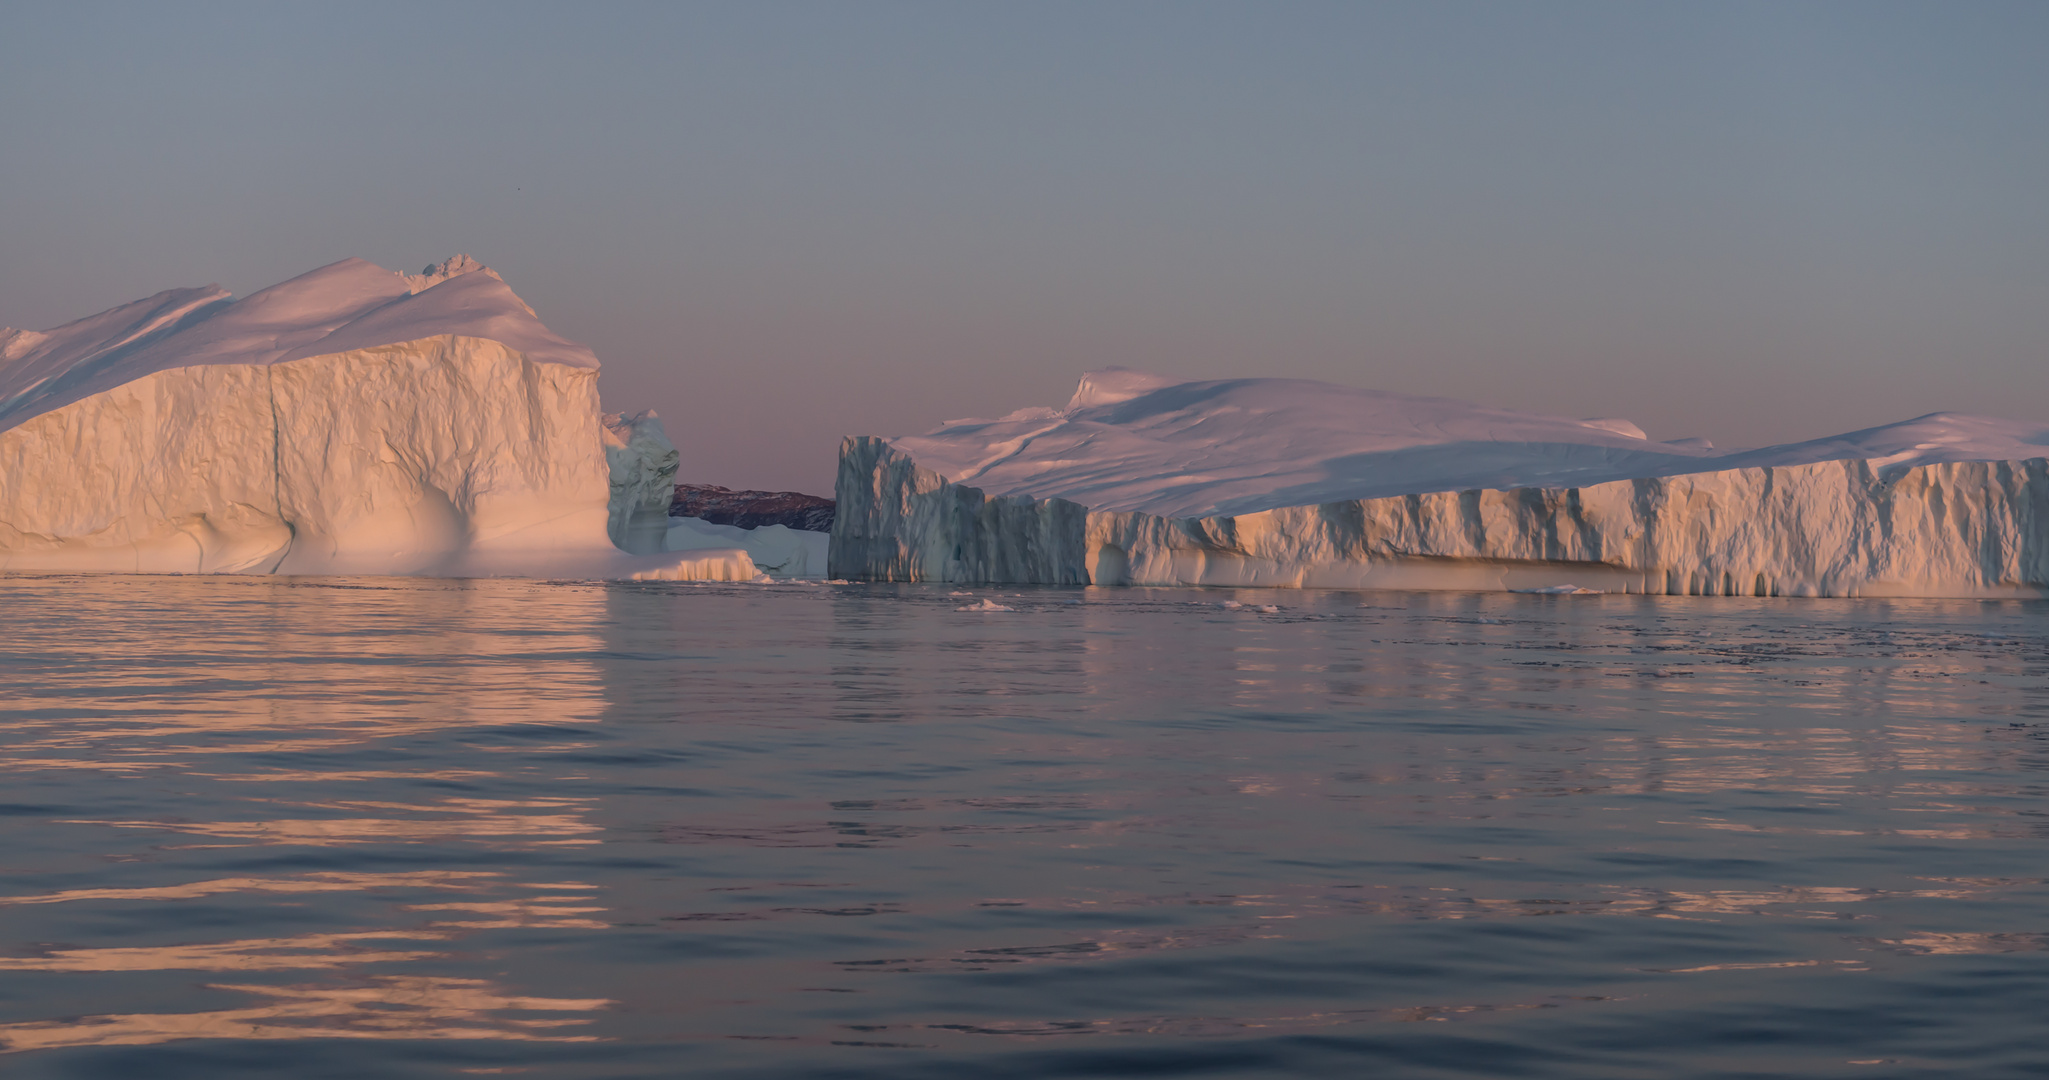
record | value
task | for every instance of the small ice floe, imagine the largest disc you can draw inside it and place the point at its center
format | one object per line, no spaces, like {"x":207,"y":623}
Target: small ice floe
{"x":1230,"y":605}
{"x":960,"y":594}
{"x":1559,"y":590}
{"x":986,"y":605}
{"x":1233,"y":605}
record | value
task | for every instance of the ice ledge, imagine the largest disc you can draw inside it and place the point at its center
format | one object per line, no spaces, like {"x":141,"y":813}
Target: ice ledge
{"x":1834,"y":528}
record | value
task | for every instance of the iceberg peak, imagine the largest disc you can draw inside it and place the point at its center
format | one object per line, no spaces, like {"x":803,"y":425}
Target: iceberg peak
{"x":1616,"y":426}
{"x":1113,"y":385}
{"x":436,"y":273}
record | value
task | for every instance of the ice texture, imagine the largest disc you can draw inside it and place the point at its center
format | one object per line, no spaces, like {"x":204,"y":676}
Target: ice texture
{"x":643,"y":463}
{"x":1147,"y":479}
{"x":350,"y":420}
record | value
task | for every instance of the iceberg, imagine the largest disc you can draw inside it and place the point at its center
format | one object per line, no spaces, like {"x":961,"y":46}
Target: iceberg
{"x":784,"y":532}
{"x":776,"y":550}
{"x":351,"y":420}
{"x":1148,"y":479}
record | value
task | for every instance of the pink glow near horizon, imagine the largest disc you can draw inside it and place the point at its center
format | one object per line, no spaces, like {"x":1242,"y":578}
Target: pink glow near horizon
{"x":778,"y":225}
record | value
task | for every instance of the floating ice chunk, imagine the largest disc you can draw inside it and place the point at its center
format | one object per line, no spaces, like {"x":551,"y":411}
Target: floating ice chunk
{"x":348,"y":421}
{"x":718,"y":564}
{"x":986,"y":605}
{"x":778,"y":550}
{"x":1559,"y":590}
{"x":1282,"y":483}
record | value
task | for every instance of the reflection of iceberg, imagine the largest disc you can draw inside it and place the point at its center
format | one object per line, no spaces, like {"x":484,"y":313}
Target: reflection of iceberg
{"x":304,"y":952}
{"x":349,"y":791}
{"x":460,"y":671}
{"x":318,"y":882}
{"x":390,"y":1007}
{"x":1152,"y":480}
{"x":386,"y":1006}
{"x":525,"y":822}
{"x":350,"y":420}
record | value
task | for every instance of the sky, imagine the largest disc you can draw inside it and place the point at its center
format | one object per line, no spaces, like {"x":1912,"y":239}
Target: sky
{"x":782,"y":223}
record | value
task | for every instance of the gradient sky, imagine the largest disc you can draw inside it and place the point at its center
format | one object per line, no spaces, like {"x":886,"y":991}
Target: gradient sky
{"x":779,"y":224}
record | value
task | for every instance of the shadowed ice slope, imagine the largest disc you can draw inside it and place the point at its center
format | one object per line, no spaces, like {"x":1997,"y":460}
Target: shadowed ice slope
{"x":1155,"y":480}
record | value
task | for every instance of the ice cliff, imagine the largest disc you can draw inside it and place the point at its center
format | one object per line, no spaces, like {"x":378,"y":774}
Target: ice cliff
{"x":642,"y":462}
{"x":1152,"y":480}
{"x":350,"y":420}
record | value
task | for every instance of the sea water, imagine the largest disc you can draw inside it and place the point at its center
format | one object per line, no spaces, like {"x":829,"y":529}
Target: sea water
{"x":407,"y":828}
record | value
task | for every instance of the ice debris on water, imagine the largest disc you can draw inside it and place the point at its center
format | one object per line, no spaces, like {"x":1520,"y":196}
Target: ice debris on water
{"x":986,"y":605}
{"x":1558,"y":590}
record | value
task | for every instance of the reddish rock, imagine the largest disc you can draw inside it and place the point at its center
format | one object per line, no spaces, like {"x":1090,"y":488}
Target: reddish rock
{"x":752,"y":509}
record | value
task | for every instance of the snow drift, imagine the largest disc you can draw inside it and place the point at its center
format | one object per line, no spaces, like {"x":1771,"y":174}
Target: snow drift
{"x":1151,"y":480}
{"x":350,"y":420}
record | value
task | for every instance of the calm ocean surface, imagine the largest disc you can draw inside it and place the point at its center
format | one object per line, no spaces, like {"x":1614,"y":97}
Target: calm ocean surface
{"x":376,"y":828}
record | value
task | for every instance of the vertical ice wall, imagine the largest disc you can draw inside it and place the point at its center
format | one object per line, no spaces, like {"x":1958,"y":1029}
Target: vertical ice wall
{"x":403,"y":458}
{"x":350,"y":420}
{"x":1835,"y":528}
{"x":642,"y":463}
{"x":895,"y":521}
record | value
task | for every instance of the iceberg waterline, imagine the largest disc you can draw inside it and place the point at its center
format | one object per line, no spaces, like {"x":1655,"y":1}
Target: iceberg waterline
{"x":1150,"y":480}
{"x":349,"y":421}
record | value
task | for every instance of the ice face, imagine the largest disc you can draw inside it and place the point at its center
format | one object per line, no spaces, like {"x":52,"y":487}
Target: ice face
{"x":350,"y":420}
{"x":642,"y":463}
{"x":1146,"y":479}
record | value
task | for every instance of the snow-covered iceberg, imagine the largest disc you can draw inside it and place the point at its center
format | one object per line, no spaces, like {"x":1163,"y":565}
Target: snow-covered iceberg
{"x":350,"y":420}
{"x":1153,"y":480}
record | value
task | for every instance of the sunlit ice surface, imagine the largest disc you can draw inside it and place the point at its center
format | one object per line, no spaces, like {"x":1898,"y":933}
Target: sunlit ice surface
{"x":414,"y":828}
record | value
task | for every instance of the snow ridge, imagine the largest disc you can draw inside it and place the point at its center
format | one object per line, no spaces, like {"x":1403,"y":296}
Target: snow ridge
{"x":345,"y":306}
{"x":1131,"y":441}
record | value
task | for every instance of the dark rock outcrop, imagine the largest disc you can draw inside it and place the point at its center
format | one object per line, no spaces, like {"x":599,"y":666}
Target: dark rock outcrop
{"x":752,"y":509}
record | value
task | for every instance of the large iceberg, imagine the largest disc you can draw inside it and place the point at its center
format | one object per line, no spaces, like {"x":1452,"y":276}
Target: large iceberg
{"x":350,"y":420}
{"x":1153,"y":480}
